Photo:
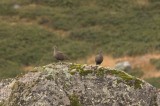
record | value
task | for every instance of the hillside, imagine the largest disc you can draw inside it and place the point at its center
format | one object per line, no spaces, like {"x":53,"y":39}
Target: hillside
{"x":29,"y":29}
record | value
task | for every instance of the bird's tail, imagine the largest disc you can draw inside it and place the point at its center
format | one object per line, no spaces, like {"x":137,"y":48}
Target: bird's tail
{"x":67,"y":58}
{"x":97,"y":64}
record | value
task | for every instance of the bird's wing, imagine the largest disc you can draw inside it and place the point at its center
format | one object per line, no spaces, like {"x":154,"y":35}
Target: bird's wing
{"x":60,"y":53}
{"x":63,"y":55}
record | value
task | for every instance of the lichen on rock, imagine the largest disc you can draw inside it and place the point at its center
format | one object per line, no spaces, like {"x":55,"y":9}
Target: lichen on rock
{"x":70,"y":84}
{"x":101,"y":71}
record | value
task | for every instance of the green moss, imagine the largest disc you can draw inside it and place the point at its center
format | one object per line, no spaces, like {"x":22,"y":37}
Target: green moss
{"x":74,"y":100}
{"x":49,"y":77}
{"x":79,"y":69}
{"x":126,"y":78}
{"x":75,"y":66}
{"x":72,"y":72}
{"x":85,"y":72}
{"x":138,"y":83}
{"x":1,"y":104}
{"x":100,"y":72}
{"x":16,"y":85}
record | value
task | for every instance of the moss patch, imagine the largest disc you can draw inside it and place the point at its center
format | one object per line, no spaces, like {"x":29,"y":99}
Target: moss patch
{"x":49,"y":77}
{"x":1,"y":104}
{"x":79,"y":69}
{"x":100,"y":72}
{"x":126,"y":78}
{"x":74,"y":100}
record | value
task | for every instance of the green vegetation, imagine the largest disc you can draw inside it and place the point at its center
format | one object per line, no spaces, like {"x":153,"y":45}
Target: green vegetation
{"x":156,"y":63}
{"x":79,"y":28}
{"x":74,"y":100}
{"x":79,"y":69}
{"x":126,"y":78}
{"x":154,"y":81}
{"x":137,"y":72}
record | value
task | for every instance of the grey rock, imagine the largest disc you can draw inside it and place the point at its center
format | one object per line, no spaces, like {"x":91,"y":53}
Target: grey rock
{"x":125,"y":66}
{"x":77,"y":85}
{"x":16,"y":6}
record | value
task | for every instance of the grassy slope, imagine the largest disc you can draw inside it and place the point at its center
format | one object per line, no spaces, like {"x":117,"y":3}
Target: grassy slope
{"x":121,"y":27}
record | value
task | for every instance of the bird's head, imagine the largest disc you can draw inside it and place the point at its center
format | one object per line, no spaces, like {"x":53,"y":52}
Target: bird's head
{"x":54,"y":47}
{"x":100,"y":51}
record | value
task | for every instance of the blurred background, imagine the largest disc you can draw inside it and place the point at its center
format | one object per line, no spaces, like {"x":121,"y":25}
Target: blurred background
{"x":127,"y":31}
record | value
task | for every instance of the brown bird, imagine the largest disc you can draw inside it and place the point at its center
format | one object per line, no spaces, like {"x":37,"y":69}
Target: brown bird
{"x":58,"y":55}
{"x":99,"y":58}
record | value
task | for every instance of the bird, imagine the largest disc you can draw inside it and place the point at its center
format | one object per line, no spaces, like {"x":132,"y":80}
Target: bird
{"x":58,"y":55}
{"x":99,"y":58}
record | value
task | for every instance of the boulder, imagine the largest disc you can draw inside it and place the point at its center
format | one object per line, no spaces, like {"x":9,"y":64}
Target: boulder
{"x":70,"y":84}
{"x":125,"y":66}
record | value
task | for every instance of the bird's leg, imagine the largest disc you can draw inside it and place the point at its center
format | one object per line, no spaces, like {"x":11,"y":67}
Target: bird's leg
{"x":97,"y":66}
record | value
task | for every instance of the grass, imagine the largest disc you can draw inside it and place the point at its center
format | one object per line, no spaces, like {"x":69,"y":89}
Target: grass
{"x":137,"y":72}
{"x":7,"y":65}
{"x":119,"y":28}
{"x":154,"y":81}
{"x":156,"y":63}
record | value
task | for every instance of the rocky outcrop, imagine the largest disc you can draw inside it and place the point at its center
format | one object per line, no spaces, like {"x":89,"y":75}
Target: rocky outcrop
{"x":70,"y":84}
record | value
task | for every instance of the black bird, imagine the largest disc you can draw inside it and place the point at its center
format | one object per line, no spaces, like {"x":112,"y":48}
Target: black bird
{"x":99,"y":58}
{"x":58,"y":55}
